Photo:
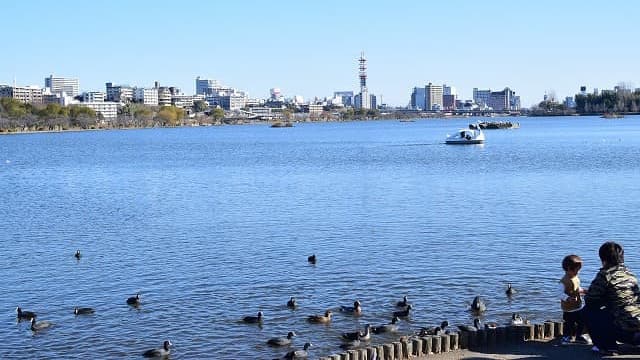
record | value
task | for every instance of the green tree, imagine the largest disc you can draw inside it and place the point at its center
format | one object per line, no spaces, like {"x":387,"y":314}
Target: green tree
{"x":170,"y":116}
{"x":199,"y":106}
{"x":217,"y":114}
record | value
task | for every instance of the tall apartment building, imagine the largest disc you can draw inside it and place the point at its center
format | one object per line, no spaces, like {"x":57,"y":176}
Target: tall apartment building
{"x":206,"y":86}
{"x":418,"y":99}
{"x":119,"y":93}
{"x":25,"y":94}
{"x":146,"y":96}
{"x":108,"y":110}
{"x":481,"y":97}
{"x":58,"y":85}
{"x":346,"y":97}
{"x":504,"y":100}
{"x":433,"y":97}
{"x":93,"y":96}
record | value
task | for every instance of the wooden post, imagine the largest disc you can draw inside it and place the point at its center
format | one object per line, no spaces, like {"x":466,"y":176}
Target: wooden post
{"x":389,"y":352}
{"x":473,"y":340}
{"x":372,"y":353}
{"x":417,"y":347}
{"x":407,"y":347}
{"x":558,"y":328}
{"x":446,"y":343}
{"x":344,"y":356}
{"x":380,"y":352}
{"x":549,"y":329}
{"x":491,"y":338}
{"x":464,"y":340}
{"x":529,"y":332}
{"x":427,"y":347}
{"x":454,"y":341}
{"x":539,"y":331}
{"x":501,"y":335}
{"x":436,"y":346}
{"x":397,"y":347}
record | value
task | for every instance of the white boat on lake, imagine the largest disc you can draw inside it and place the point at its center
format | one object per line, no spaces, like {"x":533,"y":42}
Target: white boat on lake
{"x":466,"y":136}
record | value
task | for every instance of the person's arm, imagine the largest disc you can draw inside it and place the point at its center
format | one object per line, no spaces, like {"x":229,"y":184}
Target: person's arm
{"x":597,"y":294}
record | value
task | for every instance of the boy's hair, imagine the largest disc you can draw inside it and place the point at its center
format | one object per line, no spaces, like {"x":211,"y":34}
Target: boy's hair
{"x":611,"y":253}
{"x":571,"y":262}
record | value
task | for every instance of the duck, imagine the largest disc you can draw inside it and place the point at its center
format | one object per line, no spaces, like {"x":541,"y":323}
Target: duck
{"x":25,"y":315}
{"x":134,"y":300}
{"x":38,"y":326}
{"x":253,"y":319}
{"x":510,"y":290}
{"x":391,"y":327}
{"x":471,"y":328}
{"x":403,"y":313}
{"x":163,"y":351}
{"x":478,"y":305}
{"x":312,"y":259}
{"x":77,"y":255}
{"x":437,"y":330}
{"x":298,"y":354}
{"x":358,"y":335}
{"x":83,"y":311}
{"x":356,"y":309}
{"x":319,"y":319}
{"x":403,"y":303}
{"x":291,"y":304}
{"x":491,"y":325}
{"x":350,"y":344}
{"x":281,"y":341}
{"x":516,"y":319}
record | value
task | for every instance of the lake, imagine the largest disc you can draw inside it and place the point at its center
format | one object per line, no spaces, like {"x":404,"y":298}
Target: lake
{"x":212,"y":224}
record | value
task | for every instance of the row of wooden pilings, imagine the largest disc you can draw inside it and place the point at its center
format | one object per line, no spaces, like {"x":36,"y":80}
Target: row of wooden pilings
{"x":482,"y":340}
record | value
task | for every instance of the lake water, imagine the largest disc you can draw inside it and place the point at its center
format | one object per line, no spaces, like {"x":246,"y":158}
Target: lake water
{"x":213,"y":224}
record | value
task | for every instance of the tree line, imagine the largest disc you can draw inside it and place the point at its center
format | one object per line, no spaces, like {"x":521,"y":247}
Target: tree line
{"x":16,"y":116}
{"x":609,"y":101}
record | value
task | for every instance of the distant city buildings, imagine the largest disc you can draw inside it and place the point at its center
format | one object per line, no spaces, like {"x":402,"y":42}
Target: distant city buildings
{"x":362,"y":100}
{"x":59,"y":85}
{"x":433,"y":97}
{"x":25,"y":94}
{"x":146,"y":96}
{"x":119,"y":93}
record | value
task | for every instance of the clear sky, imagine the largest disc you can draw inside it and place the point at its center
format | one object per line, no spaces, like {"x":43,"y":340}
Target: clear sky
{"x":310,"y":48}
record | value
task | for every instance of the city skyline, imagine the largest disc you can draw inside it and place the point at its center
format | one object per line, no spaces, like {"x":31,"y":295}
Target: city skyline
{"x":310,"y":50}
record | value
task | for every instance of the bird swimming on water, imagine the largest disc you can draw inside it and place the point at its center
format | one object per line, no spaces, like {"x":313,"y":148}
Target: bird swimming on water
{"x":510,"y":291}
{"x":434,"y":330}
{"x":281,"y":341}
{"x":516,"y":319}
{"x":474,"y":327}
{"x":319,"y":319}
{"x":312,"y":259}
{"x":391,"y":327}
{"x":292,"y":304}
{"x":402,"y":303}
{"x":77,"y":255}
{"x":134,"y":300}
{"x":356,"y":309}
{"x":161,"y":352}
{"x":24,"y":315}
{"x":403,"y":313}
{"x":298,"y":354}
{"x":358,"y":335}
{"x":83,"y":311}
{"x":41,"y":325}
{"x":253,"y":319}
{"x":478,"y":305}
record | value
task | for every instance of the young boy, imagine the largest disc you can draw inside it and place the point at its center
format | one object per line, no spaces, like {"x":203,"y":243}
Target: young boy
{"x":571,"y":303}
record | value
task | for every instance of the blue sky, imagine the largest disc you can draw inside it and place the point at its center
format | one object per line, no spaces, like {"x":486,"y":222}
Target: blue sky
{"x":311,"y":48}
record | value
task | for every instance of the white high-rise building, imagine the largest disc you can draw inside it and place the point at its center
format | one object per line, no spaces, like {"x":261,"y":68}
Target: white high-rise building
{"x":58,"y":85}
{"x":433,"y":97}
{"x":146,"y":96}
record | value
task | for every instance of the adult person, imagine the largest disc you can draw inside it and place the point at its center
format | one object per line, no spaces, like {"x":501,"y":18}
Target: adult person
{"x":612,"y":308}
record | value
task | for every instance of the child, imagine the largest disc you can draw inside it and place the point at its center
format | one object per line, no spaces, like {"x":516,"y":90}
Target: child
{"x":571,"y":303}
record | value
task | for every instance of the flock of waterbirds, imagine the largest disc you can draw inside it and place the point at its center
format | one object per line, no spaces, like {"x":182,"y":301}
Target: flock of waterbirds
{"x":350,"y":340}
{"x":41,"y":326}
{"x":353,"y":340}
